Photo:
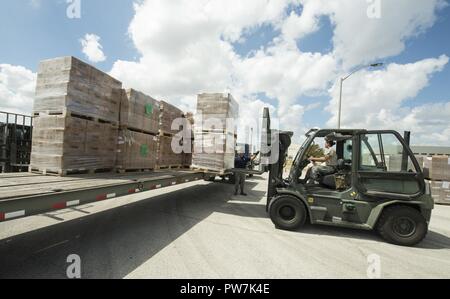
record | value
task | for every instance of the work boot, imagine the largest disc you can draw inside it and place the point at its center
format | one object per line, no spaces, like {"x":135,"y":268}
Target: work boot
{"x":244,"y":194}
{"x":236,"y":193}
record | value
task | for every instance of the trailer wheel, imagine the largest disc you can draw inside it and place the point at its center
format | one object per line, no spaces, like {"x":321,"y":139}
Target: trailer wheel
{"x":402,"y":225}
{"x":287,"y":212}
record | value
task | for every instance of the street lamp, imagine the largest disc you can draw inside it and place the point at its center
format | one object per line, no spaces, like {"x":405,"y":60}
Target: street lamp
{"x":373,"y":65}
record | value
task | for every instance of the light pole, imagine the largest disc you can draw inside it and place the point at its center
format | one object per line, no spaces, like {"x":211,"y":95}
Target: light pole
{"x":342,"y":86}
{"x":251,"y":141}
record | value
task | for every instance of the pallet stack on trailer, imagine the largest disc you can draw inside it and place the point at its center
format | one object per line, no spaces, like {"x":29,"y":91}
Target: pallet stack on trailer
{"x":167,"y":157}
{"x":86,"y":123}
{"x":138,"y":134}
{"x":76,"y":117}
{"x":437,"y":169}
{"x":216,"y":133}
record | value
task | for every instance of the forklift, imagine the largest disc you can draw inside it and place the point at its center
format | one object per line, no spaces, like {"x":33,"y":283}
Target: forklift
{"x":377,"y":185}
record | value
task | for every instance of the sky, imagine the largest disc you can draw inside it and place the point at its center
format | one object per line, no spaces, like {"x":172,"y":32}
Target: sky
{"x":287,"y":55}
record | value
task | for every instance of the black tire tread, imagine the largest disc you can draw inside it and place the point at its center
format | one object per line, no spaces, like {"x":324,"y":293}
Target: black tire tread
{"x":385,"y":217}
{"x":301,"y":205}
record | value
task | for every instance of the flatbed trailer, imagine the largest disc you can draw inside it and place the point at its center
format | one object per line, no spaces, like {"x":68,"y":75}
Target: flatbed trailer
{"x":27,"y":194}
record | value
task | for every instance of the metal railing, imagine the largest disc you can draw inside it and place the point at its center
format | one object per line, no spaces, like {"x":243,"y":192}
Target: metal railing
{"x":16,"y":132}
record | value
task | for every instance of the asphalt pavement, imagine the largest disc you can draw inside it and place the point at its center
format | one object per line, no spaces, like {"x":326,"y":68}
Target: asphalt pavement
{"x":201,"y":230}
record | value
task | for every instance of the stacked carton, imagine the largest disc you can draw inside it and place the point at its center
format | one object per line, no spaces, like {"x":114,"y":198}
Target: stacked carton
{"x":139,"y":112}
{"x":168,"y":155}
{"x":139,"y":126}
{"x":168,"y":115}
{"x":215,"y":132}
{"x":136,"y":151}
{"x":76,"y":112}
{"x":395,"y":163}
{"x":440,"y":192}
{"x":69,"y":86}
{"x":437,"y":168}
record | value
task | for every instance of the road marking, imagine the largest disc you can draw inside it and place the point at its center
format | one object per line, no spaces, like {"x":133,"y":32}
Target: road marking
{"x":51,"y":246}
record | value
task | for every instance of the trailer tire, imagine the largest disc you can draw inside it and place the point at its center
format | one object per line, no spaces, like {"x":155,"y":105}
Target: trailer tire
{"x":287,"y":212}
{"x":402,"y":225}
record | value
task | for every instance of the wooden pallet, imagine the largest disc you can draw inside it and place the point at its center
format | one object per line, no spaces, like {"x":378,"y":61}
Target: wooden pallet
{"x":210,"y":171}
{"x":142,"y":170}
{"x":76,"y":115}
{"x":165,"y":134}
{"x":137,"y":130}
{"x":168,"y":167}
{"x":67,"y":172}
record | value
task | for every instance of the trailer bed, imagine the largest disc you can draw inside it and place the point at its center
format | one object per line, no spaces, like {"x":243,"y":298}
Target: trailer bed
{"x":25,"y":194}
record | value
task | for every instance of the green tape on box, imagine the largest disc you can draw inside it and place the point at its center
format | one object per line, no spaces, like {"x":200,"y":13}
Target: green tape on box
{"x":149,"y":109}
{"x":144,"y":150}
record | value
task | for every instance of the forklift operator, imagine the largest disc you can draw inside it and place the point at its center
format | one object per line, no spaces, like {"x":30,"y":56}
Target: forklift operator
{"x":329,"y":161}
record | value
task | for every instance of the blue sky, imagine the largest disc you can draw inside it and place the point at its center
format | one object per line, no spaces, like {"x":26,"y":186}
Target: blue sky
{"x":34,"y":30}
{"x":31,"y":33}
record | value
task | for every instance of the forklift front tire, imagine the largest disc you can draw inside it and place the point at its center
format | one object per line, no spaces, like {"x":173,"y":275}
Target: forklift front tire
{"x":287,"y":212}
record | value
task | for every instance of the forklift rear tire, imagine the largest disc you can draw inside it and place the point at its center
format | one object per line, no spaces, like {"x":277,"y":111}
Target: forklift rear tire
{"x":287,"y":212}
{"x":402,"y":225}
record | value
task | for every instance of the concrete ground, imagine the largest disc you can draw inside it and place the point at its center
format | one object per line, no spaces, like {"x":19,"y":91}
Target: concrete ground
{"x":200,"y":230}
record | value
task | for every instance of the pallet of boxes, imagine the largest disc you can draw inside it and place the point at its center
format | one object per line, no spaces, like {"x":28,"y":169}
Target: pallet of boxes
{"x":76,"y":117}
{"x":138,"y":135}
{"x":169,"y":152}
{"x":437,"y":169}
{"x":215,"y":132}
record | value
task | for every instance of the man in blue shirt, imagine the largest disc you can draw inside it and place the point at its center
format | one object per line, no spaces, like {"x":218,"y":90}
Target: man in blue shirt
{"x":240,"y":162}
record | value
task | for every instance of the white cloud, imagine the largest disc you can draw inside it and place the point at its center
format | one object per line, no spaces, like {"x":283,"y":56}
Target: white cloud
{"x":92,"y":48}
{"x":359,"y":39}
{"x":375,"y":100}
{"x":186,"y":48}
{"x":17,"y":86}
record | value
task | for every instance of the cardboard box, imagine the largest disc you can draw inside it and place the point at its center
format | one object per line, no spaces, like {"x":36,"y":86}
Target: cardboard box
{"x":68,"y":86}
{"x":440,"y":191}
{"x":437,"y":168}
{"x":168,"y":114}
{"x":167,"y":157}
{"x":136,"y":151}
{"x":139,"y":112}
{"x":65,"y":144}
{"x":215,"y":131}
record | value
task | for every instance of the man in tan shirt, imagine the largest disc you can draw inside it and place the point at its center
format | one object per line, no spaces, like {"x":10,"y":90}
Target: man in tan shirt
{"x":329,"y":161}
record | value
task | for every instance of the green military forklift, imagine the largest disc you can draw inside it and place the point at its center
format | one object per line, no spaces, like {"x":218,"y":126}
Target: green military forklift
{"x":377,"y":185}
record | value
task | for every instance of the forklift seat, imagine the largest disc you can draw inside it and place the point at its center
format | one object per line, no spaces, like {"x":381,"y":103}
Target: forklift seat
{"x":329,"y":180}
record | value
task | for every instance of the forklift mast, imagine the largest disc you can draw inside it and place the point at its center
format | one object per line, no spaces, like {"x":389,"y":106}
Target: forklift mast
{"x":275,"y":168}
